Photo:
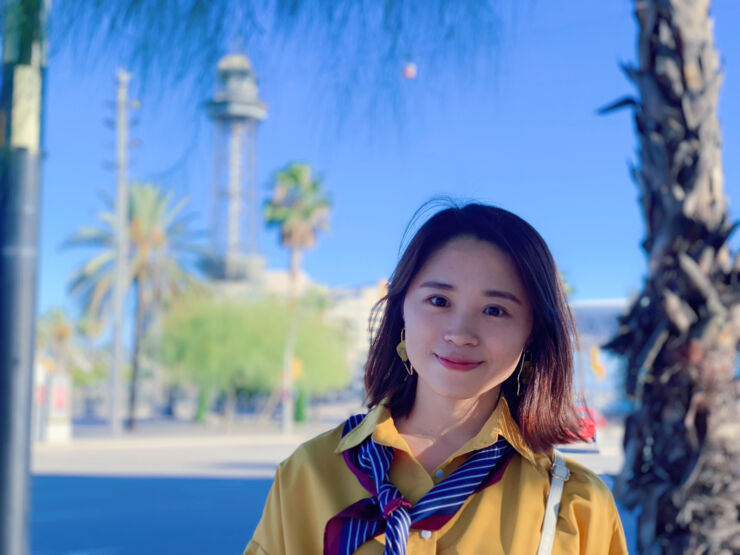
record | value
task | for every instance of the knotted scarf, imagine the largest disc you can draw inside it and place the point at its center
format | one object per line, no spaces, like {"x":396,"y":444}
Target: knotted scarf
{"x":387,"y":510}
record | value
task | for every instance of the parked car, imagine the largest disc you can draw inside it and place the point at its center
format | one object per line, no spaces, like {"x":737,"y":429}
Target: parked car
{"x":591,"y":419}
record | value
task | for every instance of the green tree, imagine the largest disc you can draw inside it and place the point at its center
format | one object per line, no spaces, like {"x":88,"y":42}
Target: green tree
{"x":159,"y":236}
{"x":230,"y":346}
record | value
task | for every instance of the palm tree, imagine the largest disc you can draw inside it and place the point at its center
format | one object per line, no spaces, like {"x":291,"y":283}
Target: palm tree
{"x":159,"y":236}
{"x":69,"y":347}
{"x":680,"y":336}
{"x":300,"y":208}
{"x":55,"y":334}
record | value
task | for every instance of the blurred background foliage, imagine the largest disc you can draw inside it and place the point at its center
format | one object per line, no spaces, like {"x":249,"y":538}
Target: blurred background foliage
{"x":229,"y":345}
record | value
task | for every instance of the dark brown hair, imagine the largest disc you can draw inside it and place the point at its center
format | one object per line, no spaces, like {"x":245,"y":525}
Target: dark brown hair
{"x":545,"y":409}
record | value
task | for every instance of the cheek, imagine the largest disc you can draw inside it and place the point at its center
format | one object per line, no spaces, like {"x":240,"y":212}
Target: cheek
{"x":412,"y":317}
{"x":419,"y":327}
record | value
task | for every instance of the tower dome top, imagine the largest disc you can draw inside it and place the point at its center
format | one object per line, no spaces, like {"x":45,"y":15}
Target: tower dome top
{"x":232,"y":62}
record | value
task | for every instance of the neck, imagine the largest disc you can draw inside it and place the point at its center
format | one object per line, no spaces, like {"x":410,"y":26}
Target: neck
{"x":442,"y":418}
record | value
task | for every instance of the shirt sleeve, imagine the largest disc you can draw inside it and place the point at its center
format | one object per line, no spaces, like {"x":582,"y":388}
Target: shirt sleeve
{"x":268,"y":538}
{"x":253,"y":548}
{"x":589,"y":522}
{"x":618,"y":543}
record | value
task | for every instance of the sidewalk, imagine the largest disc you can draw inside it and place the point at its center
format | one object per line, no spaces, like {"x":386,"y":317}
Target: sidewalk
{"x":176,"y":448}
{"x":247,"y":450}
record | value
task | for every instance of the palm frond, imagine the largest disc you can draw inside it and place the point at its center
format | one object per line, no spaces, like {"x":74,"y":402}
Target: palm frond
{"x":299,"y":206}
{"x":160,"y":234}
{"x":90,"y":237}
{"x":99,"y":295}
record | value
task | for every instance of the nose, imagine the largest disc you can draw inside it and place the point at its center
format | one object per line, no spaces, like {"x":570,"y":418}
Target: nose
{"x":460,"y":333}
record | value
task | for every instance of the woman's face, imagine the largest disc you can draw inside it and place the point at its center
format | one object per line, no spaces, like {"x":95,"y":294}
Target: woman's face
{"x":467,"y":318}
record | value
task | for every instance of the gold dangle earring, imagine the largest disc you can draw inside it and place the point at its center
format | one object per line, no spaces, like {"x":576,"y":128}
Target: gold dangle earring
{"x":402,"y":354}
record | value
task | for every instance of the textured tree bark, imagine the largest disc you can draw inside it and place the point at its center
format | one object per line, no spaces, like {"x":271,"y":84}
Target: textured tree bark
{"x":680,"y":336}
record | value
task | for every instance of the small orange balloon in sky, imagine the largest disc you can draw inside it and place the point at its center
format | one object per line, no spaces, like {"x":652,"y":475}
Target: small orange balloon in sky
{"x":410,"y":70}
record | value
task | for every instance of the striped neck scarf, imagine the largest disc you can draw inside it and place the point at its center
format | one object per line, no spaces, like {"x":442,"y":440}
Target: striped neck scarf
{"x":387,"y":510}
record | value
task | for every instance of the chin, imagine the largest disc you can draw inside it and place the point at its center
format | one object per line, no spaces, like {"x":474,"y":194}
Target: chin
{"x":460,"y":393}
{"x":455,"y":389}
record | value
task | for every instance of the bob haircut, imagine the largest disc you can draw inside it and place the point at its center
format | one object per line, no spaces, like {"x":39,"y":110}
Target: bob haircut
{"x":545,"y":408}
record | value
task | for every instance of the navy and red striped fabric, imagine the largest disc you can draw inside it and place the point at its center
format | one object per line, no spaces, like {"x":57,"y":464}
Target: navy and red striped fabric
{"x":387,"y":511}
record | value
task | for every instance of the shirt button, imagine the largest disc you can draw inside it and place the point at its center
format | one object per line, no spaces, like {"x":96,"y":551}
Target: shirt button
{"x":426,"y":534}
{"x":439,"y":473}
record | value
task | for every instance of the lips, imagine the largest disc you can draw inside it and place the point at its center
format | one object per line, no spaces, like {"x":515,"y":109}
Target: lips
{"x":457,"y":363}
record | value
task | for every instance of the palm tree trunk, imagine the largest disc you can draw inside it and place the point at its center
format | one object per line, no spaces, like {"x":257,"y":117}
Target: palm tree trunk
{"x":288,"y":407}
{"x":295,"y":264}
{"x":135,"y":366}
{"x":680,"y":337}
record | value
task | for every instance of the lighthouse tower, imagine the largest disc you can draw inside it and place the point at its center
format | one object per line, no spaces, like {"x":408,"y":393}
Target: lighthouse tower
{"x":236,"y":111}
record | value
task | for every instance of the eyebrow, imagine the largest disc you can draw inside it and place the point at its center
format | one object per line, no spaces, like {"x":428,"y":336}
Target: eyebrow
{"x":489,"y":293}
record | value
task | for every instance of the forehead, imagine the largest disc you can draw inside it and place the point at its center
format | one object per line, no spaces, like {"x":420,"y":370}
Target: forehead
{"x":471,"y":262}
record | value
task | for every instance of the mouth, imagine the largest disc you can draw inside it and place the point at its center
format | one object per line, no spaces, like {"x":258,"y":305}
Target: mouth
{"x":459,"y":364}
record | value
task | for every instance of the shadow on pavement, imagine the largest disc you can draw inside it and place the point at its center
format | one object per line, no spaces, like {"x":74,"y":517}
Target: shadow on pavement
{"x":136,"y":515}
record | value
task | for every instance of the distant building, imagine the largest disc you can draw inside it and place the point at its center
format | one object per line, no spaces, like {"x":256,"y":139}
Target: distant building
{"x":597,"y":322}
{"x":352,"y":307}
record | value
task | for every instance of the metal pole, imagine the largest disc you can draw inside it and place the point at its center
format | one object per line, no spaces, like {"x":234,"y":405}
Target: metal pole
{"x":233,"y":249}
{"x":251,"y":186}
{"x":121,"y":281}
{"x":286,"y":394}
{"x":21,"y":108}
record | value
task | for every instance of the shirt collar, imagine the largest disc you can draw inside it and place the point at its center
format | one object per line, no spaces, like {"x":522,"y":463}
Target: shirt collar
{"x":379,"y":423}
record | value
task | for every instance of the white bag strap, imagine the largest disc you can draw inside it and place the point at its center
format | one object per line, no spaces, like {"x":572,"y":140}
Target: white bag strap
{"x":560,"y":475}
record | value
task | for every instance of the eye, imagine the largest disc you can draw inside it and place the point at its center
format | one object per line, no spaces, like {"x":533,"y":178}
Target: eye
{"x":436,"y":300}
{"x":495,"y":311}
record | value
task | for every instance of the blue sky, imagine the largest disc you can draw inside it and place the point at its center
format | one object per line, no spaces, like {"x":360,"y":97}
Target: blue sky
{"x":525,"y":137}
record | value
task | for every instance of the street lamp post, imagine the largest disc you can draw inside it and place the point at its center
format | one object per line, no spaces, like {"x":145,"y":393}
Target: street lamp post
{"x":121,"y":281}
{"x":21,"y":107}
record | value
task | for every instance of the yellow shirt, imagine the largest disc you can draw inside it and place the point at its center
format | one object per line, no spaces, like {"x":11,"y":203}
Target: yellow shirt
{"x":314,"y":484}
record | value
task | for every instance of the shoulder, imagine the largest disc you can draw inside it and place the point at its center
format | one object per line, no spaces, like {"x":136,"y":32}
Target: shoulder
{"x":588,"y":503}
{"x":585,"y":484}
{"x":311,"y":485}
{"x":316,"y":478}
{"x":588,"y":506}
{"x":316,"y":456}
{"x":582,"y":485}
{"x":317,"y":448}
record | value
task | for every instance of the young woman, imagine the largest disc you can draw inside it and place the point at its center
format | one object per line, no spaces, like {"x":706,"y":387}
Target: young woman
{"x":469,"y":384}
